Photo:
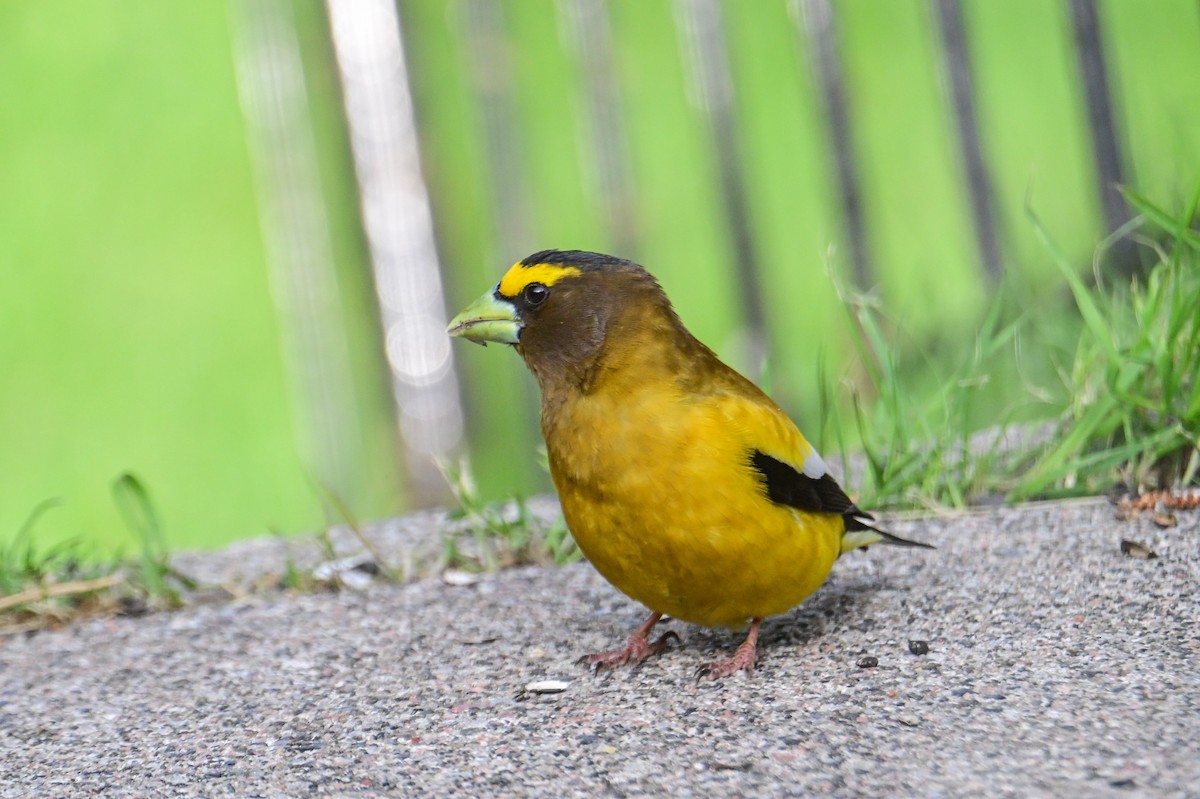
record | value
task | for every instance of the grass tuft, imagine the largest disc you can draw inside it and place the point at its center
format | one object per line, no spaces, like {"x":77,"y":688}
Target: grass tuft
{"x":1133,"y":414}
{"x":499,"y":534}
{"x":911,"y":428}
{"x":156,"y":584}
{"x":347,"y":517}
{"x":1127,"y":410}
{"x":46,"y":587}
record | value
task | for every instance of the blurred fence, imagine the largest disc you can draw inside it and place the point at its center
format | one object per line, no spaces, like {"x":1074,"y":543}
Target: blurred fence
{"x":739,"y":149}
{"x":752,"y":155}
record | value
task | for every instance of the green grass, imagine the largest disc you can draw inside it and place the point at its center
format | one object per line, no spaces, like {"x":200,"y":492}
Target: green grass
{"x":915,"y":425}
{"x":43,"y":585}
{"x":1134,"y":383}
{"x":497,"y":534}
{"x":1122,"y":405}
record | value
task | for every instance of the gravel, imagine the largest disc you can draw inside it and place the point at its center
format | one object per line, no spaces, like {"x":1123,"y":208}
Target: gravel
{"x":1053,"y":665}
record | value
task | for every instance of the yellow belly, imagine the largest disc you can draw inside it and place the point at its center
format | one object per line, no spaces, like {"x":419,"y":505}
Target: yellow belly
{"x":674,"y":517}
{"x":702,"y":567}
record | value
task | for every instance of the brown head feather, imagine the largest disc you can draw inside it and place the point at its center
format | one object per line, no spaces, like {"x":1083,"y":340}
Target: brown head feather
{"x":610,"y":306}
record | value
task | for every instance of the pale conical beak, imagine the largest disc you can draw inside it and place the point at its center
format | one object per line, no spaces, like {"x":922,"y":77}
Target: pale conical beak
{"x":487,"y":319}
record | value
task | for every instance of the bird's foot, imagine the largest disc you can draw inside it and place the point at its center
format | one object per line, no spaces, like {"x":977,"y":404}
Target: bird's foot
{"x":633,"y":653}
{"x":743,"y":658}
{"x":637,"y":650}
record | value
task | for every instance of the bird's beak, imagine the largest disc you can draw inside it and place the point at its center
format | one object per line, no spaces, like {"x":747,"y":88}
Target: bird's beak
{"x":489,"y":318}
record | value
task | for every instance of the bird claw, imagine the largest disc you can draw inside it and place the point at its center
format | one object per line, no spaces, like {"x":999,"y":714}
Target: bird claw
{"x":723,"y":668}
{"x":744,"y":658}
{"x":634,"y":653}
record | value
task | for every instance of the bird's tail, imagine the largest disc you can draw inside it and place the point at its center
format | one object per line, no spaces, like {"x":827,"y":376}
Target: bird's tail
{"x":862,"y":532}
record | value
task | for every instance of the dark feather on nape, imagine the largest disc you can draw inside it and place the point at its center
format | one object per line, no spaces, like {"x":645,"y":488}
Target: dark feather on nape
{"x":788,"y":486}
{"x":578,"y":258}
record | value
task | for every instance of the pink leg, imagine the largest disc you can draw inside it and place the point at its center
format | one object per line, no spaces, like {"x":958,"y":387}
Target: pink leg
{"x":638,"y":649}
{"x":742,"y":660}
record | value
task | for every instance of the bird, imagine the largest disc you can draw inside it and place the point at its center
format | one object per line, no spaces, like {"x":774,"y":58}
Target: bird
{"x":681,"y":481}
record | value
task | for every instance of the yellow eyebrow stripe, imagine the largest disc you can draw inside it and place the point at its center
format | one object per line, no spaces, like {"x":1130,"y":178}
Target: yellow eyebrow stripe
{"x":518,"y":277}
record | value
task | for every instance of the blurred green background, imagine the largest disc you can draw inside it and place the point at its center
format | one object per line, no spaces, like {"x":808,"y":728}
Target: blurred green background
{"x":138,"y":330}
{"x":140,"y":319}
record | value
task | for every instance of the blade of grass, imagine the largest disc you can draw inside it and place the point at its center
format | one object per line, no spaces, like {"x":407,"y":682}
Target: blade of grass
{"x":347,"y":517}
{"x":73,"y":588}
{"x":1092,"y":317}
{"x":1177,"y":227}
{"x":135,"y":506}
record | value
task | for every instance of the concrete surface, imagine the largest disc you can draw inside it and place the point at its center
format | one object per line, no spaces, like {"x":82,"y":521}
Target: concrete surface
{"x":1056,"y":666}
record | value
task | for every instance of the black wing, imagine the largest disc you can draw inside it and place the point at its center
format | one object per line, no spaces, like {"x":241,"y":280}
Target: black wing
{"x":787,"y":486}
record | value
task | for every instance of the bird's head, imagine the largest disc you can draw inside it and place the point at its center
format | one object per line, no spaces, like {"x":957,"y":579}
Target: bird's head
{"x":560,"y":308}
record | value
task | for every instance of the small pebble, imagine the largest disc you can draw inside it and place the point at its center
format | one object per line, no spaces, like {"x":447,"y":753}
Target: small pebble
{"x":918,"y":647}
{"x":353,"y":572}
{"x":355,"y":579}
{"x":1136,"y":549}
{"x":548,"y":686}
{"x":868,"y":662}
{"x":1164,"y":520}
{"x":460,"y":577}
{"x":133,"y":606}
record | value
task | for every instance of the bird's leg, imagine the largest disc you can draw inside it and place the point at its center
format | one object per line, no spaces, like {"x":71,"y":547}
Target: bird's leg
{"x":743,"y":658}
{"x":638,"y":649}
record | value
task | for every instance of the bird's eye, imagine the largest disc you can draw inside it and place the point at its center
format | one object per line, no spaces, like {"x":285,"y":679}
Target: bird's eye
{"x":536,"y":294}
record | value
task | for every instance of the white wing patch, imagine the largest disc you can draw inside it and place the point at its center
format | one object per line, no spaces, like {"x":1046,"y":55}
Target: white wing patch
{"x":814,"y":466}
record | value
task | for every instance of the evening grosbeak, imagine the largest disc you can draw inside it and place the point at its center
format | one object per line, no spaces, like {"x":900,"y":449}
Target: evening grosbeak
{"x":682,"y":482}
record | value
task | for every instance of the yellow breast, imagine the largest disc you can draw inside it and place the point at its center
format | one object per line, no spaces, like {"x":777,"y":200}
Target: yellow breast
{"x":657,"y":488}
